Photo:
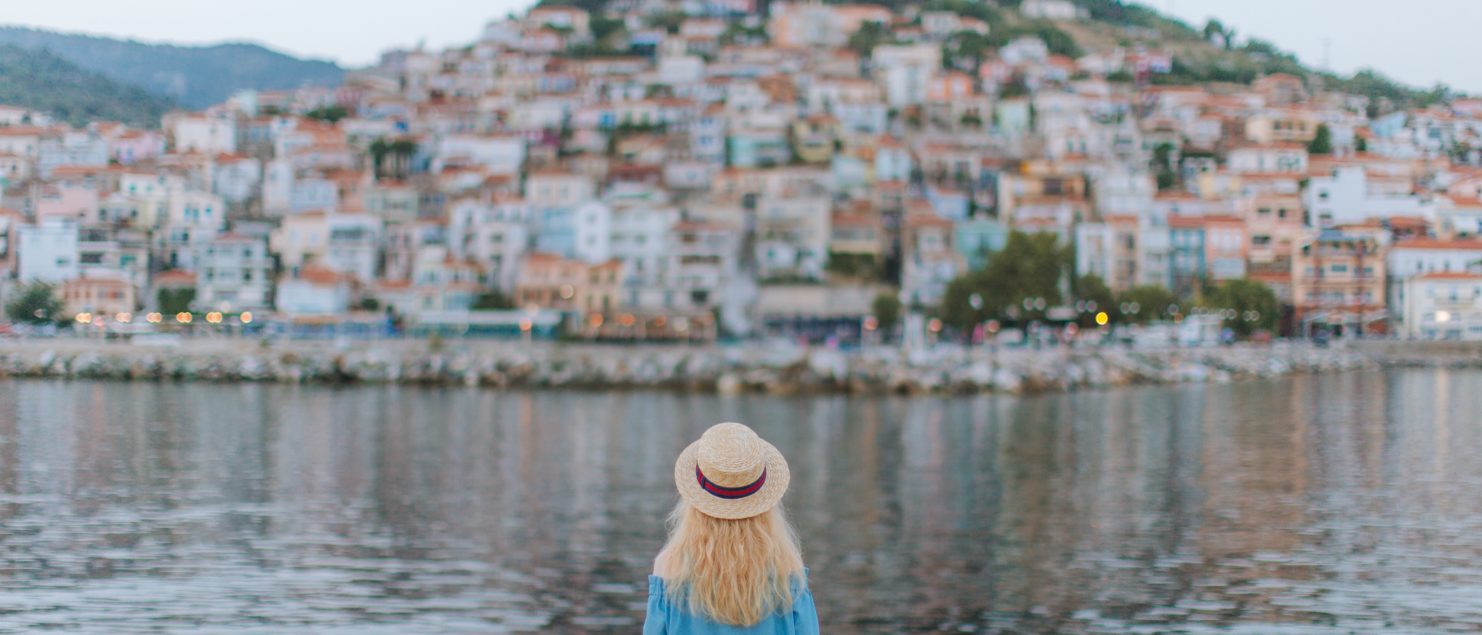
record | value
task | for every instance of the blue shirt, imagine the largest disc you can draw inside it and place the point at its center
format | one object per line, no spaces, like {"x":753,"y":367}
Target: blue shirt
{"x":664,"y":618}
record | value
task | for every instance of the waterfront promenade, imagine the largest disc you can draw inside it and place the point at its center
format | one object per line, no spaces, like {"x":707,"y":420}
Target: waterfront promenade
{"x":724,"y":369}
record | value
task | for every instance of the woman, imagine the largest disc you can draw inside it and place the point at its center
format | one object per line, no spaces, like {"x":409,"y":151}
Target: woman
{"x":732,"y":563}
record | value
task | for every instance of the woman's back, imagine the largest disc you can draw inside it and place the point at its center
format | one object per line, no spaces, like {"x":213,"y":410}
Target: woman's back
{"x":666,"y":617}
{"x":732,"y":564}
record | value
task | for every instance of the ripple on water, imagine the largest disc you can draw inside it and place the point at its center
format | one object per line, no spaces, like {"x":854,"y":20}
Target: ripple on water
{"x":1241,"y":508}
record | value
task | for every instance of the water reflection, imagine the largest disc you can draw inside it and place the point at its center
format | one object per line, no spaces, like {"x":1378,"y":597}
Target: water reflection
{"x":1335,"y":504}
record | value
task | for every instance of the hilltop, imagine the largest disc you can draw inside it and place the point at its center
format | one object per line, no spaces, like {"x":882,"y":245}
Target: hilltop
{"x":46,"y":82}
{"x":1209,"y":53}
{"x":193,"y":76}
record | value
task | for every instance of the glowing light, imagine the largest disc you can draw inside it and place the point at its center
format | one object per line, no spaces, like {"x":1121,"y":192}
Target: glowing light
{"x":626,"y":319}
{"x":1102,"y":318}
{"x":183,"y":317}
{"x":124,"y":317}
{"x":871,"y":323}
{"x":596,"y":320}
{"x":245,"y":317}
{"x":84,"y":318}
{"x":526,"y":325}
{"x":567,"y":291}
{"x":214,"y":317}
{"x":1443,"y":316}
{"x":154,"y":318}
{"x":935,"y":325}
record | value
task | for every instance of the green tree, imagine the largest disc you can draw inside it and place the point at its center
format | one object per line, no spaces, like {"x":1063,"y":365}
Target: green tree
{"x":1322,"y":142}
{"x":392,"y":158}
{"x":1028,"y":266}
{"x":1217,"y":33}
{"x":1145,"y":303}
{"x":887,"y":310}
{"x":1362,"y":145}
{"x":1163,"y":166}
{"x":36,"y":303}
{"x":492,"y":299}
{"x":870,"y":35}
{"x":966,"y":50}
{"x":1090,"y":288}
{"x":1248,"y":305}
{"x":331,"y":114}
{"x":603,"y":26}
{"x":175,"y":300}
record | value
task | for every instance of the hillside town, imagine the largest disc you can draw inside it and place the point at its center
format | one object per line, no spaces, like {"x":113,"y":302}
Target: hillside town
{"x":815,"y":171}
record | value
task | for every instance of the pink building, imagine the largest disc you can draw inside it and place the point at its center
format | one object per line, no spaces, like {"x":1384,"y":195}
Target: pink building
{"x":133,"y":146}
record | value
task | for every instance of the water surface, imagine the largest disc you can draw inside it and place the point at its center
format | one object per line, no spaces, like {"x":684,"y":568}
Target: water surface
{"x":1336,"y":504}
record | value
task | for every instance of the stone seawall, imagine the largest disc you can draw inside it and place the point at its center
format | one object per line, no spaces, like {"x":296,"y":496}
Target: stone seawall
{"x":703,"y":369}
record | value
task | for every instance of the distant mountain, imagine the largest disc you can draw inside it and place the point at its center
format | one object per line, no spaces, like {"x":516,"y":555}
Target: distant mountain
{"x":45,"y":82}
{"x":193,"y":76}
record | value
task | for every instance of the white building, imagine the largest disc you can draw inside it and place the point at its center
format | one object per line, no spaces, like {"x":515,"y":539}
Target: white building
{"x":792,"y":236}
{"x":48,"y":252}
{"x":1351,"y":196}
{"x":233,"y":273}
{"x":904,"y":70}
{"x":499,"y":154}
{"x":1424,"y":256}
{"x":76,"y":147}
{"x":315,"y":292}
{"x":1443,"y":306}
{"x":236,"y":179}
{"x":203,"y":134}
{"x":494,"y":234}
{"x":640,"y":239}
{"x":342,"y":243}
{"x":1265,"y":159}
{"x":1051,"y":9}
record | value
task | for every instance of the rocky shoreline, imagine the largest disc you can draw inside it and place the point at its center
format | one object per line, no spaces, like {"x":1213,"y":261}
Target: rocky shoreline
{"x":729,"y":370}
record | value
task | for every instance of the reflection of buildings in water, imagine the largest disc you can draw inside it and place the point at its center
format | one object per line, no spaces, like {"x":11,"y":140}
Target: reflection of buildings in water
{"x":1006,"y":512}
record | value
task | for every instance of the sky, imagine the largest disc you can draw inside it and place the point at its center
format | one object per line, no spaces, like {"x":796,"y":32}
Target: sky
{"x":1419,"y":42}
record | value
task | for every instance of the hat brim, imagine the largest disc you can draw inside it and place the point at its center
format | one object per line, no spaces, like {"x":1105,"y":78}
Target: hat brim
{"x":709,"y":504}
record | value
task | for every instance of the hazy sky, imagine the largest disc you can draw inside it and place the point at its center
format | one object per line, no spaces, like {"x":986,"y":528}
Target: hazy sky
{"x":1420,"y":42}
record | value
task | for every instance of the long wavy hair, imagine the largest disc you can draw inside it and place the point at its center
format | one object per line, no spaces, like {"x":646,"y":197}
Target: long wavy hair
{"x":734,"y":572}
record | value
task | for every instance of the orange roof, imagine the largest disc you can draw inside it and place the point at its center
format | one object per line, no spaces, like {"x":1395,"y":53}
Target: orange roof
{"x":175,"y":276}
{"x":1449,"y":275}
{"x":1175,"y":220}
{"x":1433,"y":244}
{"x":320,"y":275}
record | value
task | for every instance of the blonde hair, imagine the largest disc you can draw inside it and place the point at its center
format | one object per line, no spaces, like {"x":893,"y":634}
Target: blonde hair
{"x":734,"y":572}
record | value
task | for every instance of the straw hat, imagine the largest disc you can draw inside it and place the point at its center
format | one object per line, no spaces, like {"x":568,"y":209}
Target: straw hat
{"x":731,"y":473}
